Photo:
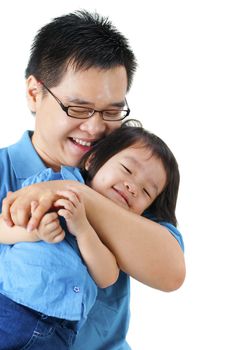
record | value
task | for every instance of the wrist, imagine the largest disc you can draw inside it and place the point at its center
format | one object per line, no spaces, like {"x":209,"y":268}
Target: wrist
{"x":34,"y":235}
{"x":84,"y":231}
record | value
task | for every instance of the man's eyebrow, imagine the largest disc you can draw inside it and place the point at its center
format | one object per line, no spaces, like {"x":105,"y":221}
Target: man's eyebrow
{"x":77,"y":101}
{"x":80,"y":101}
{"x":118,"y":104}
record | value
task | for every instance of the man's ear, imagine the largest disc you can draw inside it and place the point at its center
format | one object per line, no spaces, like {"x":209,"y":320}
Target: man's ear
{"x":33,"y":87}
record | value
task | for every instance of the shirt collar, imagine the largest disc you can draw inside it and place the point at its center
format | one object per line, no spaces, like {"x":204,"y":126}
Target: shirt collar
{"x":24,"y":158}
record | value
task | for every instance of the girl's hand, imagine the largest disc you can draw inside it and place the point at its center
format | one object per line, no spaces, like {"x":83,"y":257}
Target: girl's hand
{"x":49,"y":229}
{"x":72,"y":210}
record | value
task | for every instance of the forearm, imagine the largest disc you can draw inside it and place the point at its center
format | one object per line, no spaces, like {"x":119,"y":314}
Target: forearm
{"x":100,"y":262}
{"x":144,"y":249}
{"x":15,"y":234}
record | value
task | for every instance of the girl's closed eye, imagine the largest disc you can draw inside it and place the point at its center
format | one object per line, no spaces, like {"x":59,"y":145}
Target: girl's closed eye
{"x":146,"y":192}
{"x":126,"y":168}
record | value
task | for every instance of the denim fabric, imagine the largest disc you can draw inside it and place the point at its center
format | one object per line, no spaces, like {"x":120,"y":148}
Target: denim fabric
{"x":49,"y":278}
{"x":107,"y":322}
{"x":22,"y":328}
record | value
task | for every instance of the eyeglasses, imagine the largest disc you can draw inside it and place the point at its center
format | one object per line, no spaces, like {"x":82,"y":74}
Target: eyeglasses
{"x":80,"y":112}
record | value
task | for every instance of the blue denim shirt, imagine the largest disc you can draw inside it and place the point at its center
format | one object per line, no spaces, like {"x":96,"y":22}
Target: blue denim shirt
{"x":50,"y":278}
{"x":107,"y":323}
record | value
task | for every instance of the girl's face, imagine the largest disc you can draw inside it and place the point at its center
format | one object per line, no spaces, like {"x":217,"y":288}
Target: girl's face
{"x":132,"y":178}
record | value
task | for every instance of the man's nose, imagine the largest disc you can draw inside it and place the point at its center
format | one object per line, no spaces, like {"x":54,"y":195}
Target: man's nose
{"x":95,"y":125}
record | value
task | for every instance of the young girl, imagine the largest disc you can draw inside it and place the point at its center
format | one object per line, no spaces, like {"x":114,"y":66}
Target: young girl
{"x":46,"y":289}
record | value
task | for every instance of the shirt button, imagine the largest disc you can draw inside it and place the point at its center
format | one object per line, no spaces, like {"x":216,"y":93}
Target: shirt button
{"x":76,"y":289}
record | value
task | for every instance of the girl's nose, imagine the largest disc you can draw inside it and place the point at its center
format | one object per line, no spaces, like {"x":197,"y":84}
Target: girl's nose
{"x":132,"y":188}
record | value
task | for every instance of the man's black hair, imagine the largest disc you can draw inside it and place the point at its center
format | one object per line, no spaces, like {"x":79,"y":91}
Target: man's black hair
{"x":81,"y":40}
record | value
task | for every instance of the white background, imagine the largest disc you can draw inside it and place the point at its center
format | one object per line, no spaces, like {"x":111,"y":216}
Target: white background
{"x":182,"y":92}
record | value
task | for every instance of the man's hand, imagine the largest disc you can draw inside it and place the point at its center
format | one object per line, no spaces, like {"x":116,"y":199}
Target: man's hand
{"x":16,"y":207}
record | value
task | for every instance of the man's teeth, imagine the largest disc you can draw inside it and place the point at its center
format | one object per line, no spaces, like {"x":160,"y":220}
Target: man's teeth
{"x":81,"y":142}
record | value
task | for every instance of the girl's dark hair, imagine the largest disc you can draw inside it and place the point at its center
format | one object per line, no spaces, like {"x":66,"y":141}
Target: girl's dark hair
{"x":163,"y":208}
{"x":82,"y":40}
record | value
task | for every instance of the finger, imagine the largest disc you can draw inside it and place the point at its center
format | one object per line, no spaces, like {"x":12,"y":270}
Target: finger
{"x":52,"y":226}
{"x":37,"y":215}
{"x":48,"y":218}
{"x":64,"y":213}
{"x":71,"y":195}
{"x":20,"y":213}
{"x":34,"y":205}
{"x":47,"y":231}
{"x":58,"y":238}
{"x":6,"y":204}
{"x":66,"y":204}
{"x":54,"y":233}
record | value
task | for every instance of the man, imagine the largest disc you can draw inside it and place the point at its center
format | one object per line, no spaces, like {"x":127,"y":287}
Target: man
{"x":77,"y":77}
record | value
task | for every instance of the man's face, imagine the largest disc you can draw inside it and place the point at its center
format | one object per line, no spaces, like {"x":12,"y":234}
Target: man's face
{"x":132,"y":178}
{"x":61,"y":140}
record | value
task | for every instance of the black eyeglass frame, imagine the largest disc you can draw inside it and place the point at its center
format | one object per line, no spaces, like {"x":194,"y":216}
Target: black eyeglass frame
{"x":93,"y":111}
